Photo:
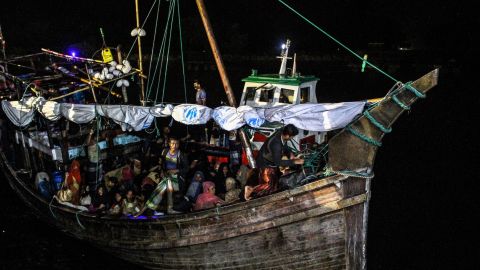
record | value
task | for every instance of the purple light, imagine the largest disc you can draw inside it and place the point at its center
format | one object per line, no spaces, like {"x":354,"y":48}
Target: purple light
{"x":73,"y":54}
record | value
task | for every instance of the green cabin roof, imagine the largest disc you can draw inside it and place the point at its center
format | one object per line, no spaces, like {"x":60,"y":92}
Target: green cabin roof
{"x":277,"y":79}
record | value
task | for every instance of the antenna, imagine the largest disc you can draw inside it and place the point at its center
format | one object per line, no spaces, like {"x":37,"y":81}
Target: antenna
{"x":294,"y":68}
{"x":284,"y":57}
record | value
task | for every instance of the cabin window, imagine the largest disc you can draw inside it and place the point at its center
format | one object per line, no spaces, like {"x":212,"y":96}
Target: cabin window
{"x":250,"y":94}
{"x":266,"y":95}
{"x":304,"y":98}
{"x":286,"y":96}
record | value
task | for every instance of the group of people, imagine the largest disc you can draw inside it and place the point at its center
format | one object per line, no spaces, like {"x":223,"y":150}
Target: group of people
{"x":168,"y":178}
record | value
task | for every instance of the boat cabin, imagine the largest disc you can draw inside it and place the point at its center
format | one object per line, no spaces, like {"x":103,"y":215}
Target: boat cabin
{"x":272,"y":90}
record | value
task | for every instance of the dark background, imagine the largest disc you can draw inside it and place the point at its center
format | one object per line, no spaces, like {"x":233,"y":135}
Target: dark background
{"x":424,"y":194}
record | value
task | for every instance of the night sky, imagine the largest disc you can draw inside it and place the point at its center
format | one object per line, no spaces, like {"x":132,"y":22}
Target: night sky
{"x":433,"y":149}
{"x":247,"y":25}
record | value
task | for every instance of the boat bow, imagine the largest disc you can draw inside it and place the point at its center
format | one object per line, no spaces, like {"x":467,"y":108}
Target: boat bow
{"x":363,"y":135}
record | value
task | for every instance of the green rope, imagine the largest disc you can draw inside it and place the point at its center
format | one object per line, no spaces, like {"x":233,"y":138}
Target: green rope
{"x":164,"y":42}
{"x":399,"y":103}
{"x":181,"y":55}
{"x":412,"y":89}
{"x":168,"y":53}
{"x":329,"y":171}
{"x":376,"y":123}
{"x":50,"y":208}
{"x":153,"y":46}
{"x":363,"y":136}
{"x":161,"y":53}
{"x":338,"y":42}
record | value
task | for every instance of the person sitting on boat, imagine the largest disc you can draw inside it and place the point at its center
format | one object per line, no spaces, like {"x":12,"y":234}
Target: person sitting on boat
{"x":207,"y":199}
{"x":175,"y":164}
{"x":99,"y":202}
{"x":116,"y":206}
{"x":154,"y":176}
{"x":130,"y":203}
{"x":164,"y":185}
{"x":74,"y":181}
{"x":85,"y":198}
{"x":94,"y":167}
{"x":223,"y":173}
{"x":233,"y":191}
{"x":268,"y":182}
{"x":195,"y":187}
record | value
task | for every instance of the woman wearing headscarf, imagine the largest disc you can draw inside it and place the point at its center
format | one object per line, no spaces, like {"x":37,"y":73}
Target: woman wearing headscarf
{"x":222,"y":174}
{"x":74,"y":181}
{"x":207,"y":199}
{"x":233,"y":191}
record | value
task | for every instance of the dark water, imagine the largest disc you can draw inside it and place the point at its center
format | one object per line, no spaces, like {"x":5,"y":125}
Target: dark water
{"x":424,"y":194}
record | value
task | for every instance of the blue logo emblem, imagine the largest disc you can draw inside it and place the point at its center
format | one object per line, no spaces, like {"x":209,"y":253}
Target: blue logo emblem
{"x":190,"y":114}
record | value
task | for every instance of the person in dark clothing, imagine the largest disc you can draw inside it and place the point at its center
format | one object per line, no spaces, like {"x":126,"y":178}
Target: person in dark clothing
{"x":275,"y":147}
{"x":222,"y":174}
{"x":269,"y":159}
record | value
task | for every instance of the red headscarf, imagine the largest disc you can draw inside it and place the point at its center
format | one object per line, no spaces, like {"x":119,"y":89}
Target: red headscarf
{"x":74,"y":180}
{"x":74,"y":173}
{"x":206,"y":199}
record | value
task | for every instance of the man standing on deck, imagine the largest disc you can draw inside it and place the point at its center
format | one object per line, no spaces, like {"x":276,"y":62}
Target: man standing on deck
{"x":201,"y":95}
{"x":200,"y":99}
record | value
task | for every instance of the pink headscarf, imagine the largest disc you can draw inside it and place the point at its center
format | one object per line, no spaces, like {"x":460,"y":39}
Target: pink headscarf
{"x":206,"y":199}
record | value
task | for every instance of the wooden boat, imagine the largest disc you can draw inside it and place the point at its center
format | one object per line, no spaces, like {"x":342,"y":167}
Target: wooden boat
{"x":319,"y":225}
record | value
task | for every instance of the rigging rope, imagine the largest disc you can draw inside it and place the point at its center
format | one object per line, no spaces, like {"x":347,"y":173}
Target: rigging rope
{"x":181,"y":55}
{"x":338,"y":42}
{"x":168,"y":51}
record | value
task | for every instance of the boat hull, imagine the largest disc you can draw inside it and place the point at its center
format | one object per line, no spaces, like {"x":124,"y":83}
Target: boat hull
{"x":321,"y":225}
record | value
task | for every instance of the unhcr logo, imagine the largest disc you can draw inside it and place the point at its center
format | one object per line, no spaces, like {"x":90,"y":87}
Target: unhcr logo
{"x":255,"y":122}
{"x":191,"y":114}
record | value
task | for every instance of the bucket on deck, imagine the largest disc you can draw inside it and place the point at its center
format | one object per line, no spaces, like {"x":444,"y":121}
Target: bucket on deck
{"x":57,"y":180}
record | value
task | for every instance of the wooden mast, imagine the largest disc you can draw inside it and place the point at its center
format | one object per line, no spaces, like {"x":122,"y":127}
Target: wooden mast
{"x":140,"y":64}
{"x":224,"y":77}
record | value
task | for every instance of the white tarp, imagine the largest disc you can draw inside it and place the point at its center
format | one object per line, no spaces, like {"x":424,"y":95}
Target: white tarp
{"x":78,"y":113}
{"x":308,"y":116}
{"x":127,"y":116}
{"x":18,"y":113}
{"x":191,"y":114}
{"x":316,"y":116}
{"x":230,"y":118}
{"x":162,"y":110}
{"x":49,"y":109}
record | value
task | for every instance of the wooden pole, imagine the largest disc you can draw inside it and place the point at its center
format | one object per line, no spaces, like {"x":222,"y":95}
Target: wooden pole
{"x":224,"y":77}
{"x":124,"y":89}
{"x":140,"y":62}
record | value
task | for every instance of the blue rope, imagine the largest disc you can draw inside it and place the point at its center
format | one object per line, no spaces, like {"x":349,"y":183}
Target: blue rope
{"x":399,"y":103}
{"x":363,"y":136}
{"x":376,"y":123}
{"x":412,"y":89}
